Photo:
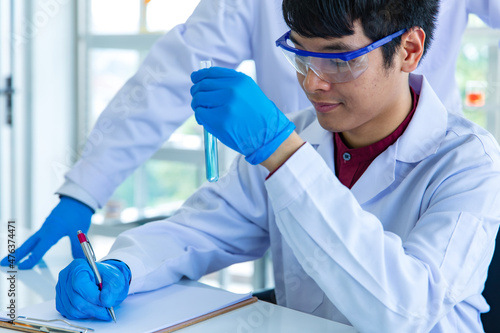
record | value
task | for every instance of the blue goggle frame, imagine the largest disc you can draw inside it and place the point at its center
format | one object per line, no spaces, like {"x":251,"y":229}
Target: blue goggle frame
{"x":345,"y":56}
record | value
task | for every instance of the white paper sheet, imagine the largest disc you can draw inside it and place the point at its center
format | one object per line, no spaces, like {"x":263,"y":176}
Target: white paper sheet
{"x":151,"y":311}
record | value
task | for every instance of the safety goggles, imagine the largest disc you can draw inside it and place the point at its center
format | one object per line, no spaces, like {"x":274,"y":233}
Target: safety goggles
{"x":331,"y":67}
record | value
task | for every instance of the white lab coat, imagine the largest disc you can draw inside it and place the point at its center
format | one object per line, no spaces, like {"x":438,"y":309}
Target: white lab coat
{"x":406,"y":250}
{"x":156,"y":100}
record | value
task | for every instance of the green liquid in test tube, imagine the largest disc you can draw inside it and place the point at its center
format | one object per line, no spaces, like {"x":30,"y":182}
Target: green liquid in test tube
{"x":211,"y":154}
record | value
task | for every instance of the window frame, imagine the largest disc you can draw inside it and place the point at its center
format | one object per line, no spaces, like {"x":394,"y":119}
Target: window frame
{"x":142,"y":43}
{"x":472,"y":35}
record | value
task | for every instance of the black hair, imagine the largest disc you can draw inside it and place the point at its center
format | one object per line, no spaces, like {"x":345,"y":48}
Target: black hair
{"x":379,"y":18}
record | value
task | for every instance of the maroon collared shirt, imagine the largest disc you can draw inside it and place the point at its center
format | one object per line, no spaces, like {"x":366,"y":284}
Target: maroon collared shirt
{"x":350,"y":164}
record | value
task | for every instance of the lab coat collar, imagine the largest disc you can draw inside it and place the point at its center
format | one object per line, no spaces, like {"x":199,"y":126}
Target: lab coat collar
{"x":320,"y":139}
{"x":427,"y":128}
{"x":421,"y":138}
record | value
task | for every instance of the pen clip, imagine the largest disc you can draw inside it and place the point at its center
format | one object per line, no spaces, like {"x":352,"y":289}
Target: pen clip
{"x":91,"y":249}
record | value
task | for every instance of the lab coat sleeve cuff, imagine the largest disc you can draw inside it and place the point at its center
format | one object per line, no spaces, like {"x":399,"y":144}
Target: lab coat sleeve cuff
{"x":136,"y":266}
{"x":90,"y":179}
{"x":272,"y":173}
{"x":294,"y":174}
{"x":73,"y":190}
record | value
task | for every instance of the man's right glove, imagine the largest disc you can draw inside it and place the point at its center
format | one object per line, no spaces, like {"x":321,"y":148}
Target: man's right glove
{"x":77,"y":293}
{"x":232,"y":107}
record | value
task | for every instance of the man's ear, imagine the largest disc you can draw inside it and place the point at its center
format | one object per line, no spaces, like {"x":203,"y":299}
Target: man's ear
{"x":412,"y":43}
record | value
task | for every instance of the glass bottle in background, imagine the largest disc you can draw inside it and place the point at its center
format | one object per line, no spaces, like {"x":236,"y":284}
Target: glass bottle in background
{"x":475,"y":93}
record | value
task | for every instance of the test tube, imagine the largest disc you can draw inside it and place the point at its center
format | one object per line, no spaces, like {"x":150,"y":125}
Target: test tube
{"x":211,"y":153}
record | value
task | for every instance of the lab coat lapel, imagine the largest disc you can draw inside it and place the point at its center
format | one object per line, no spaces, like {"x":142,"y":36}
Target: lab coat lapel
{"x":420,"y":140}
{"x":321,"y":140}
{"x":379,"y":175}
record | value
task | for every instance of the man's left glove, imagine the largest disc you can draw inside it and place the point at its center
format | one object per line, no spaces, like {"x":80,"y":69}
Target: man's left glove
{"x":66,"y":219}
{"x":231,"y":106}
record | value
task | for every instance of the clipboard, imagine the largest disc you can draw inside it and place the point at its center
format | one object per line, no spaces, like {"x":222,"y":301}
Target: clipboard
{"x":30,"y":324}
{"x":26,"y":324}
{"x":208,"y":316}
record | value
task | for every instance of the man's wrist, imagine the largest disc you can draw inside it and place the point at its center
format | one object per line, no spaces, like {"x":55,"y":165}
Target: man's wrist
{"x":283,"y":153}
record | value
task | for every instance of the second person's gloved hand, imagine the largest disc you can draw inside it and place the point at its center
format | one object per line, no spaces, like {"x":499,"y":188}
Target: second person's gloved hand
{"x":77,"y":293}
{"x":66,"y":219}
{"x":231,"y":106}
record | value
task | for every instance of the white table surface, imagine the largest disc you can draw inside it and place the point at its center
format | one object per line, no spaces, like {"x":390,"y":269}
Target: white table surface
{"x":38,"y":285}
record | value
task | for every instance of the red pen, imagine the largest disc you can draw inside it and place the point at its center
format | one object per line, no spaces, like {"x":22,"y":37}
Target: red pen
{"x":90,"y":255}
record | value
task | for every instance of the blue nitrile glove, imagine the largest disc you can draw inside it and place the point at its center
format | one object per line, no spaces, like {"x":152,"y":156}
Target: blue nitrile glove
{"x":231,"y":106}
{"x":66,"y":219}
{"x":79,"y":297}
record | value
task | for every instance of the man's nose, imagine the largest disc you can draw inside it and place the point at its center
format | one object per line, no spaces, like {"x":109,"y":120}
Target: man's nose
{"x":312,"y":82}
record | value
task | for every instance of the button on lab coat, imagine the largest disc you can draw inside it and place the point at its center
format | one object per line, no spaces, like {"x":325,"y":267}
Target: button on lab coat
{"x":406,"y":250}
{"x":156,"y":100}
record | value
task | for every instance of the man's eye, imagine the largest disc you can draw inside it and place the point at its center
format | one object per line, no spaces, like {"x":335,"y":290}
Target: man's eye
{"x":338,"y":63}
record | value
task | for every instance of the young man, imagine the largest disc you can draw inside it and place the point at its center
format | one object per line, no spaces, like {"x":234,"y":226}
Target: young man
{"x":381,"y":208}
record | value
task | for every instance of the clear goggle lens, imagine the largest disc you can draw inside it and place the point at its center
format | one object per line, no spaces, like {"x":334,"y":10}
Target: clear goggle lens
{"x":332,"y":70}
{"x":331,"y":67}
